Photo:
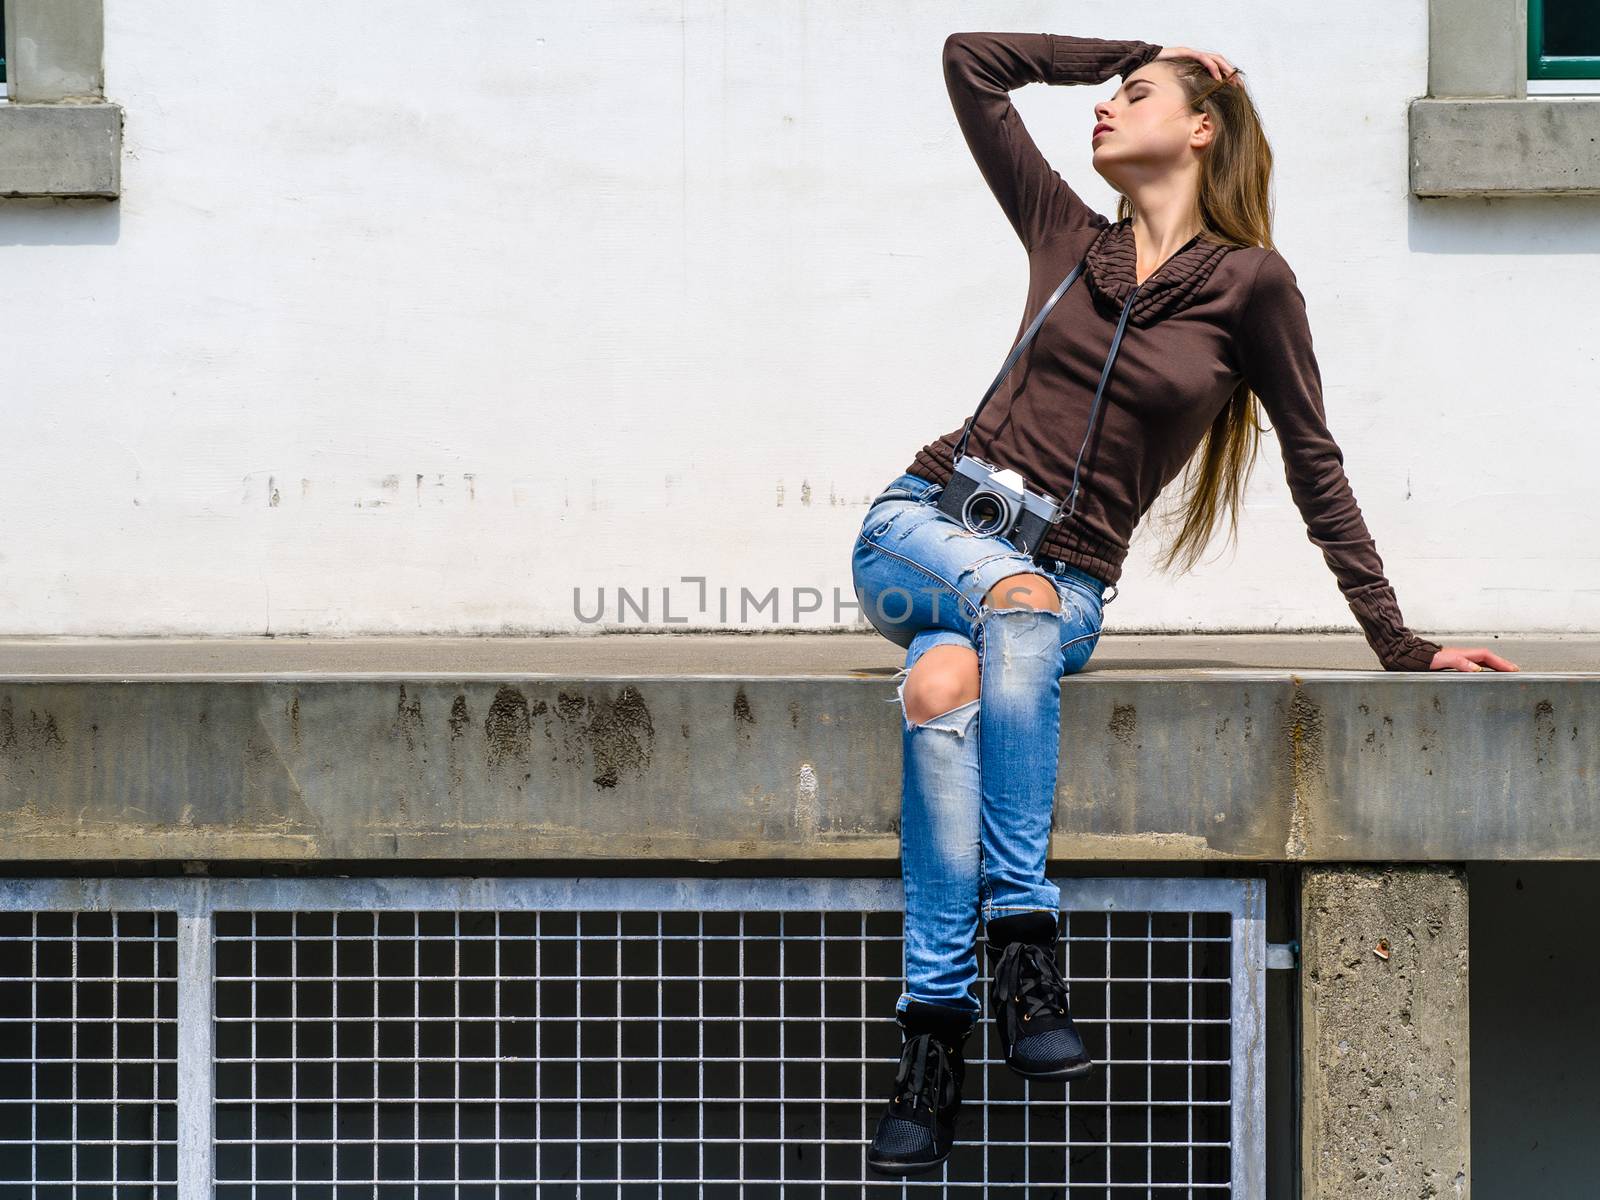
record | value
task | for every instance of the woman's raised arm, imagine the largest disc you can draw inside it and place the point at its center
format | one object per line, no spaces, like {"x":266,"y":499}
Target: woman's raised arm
{"x":980,"y":69}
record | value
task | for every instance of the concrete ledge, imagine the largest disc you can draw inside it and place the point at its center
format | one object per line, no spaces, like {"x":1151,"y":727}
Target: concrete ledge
{"x":61,"y":150}
{"x":781,"y":747}
{"x":1495,"y":146}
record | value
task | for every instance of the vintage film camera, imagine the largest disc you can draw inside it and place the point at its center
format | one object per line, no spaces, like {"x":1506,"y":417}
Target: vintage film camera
{"x":997,"y":502}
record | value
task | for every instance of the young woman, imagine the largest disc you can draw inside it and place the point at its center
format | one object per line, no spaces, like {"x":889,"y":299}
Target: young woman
{"x":1207,"y":322}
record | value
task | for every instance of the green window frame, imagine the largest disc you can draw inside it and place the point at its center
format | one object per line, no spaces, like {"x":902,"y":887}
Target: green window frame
{"x":1558,"y":22}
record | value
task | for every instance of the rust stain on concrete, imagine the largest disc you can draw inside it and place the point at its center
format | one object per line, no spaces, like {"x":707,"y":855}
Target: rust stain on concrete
{"x":1308,"y":767}
{"x":621,"y":736}
{"x":616,"y":735}
{"x":408,"y":721}
{"x":507,"y":729}
{"x":742,"y":712}
{"x":37,"y":732}
{"x":459,"y":718}
{"x":1124,"y":722}
{"x":455,"y":763}
{"x":1544,"y":734}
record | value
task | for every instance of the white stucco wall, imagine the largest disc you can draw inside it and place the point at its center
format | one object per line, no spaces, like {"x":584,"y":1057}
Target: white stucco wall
{"x":414,"y":317}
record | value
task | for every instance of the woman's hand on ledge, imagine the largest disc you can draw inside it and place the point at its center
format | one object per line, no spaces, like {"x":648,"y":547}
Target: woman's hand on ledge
{"x":1469,"y":658}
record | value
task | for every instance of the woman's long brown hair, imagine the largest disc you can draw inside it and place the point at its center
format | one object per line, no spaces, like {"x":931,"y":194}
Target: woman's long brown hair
{"x":1235,"y":208}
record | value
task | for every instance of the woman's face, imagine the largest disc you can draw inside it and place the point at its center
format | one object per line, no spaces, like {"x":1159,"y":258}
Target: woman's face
{"x":1151,"y":127}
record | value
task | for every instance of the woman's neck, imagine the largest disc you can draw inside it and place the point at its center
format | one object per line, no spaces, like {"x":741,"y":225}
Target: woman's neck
{"x":1159,"y":233}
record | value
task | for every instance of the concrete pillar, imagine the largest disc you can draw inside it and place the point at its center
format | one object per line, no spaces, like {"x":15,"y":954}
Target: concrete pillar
{"x":1384,"y":1079}
{"x":55,"y":50}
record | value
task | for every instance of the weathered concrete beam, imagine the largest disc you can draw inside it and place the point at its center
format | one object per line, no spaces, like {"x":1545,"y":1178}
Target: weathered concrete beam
{"x":61,"y":150}
{"x":1384,"y":1049}
{"x":784,"y":747}
{"x":1495,"y":146}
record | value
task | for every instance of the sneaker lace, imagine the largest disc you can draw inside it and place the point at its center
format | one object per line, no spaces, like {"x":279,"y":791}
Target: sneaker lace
{"x":920,"y":1079}
{"x":1028,"y":976}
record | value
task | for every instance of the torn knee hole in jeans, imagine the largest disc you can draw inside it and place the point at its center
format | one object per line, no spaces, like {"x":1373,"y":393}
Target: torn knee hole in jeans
{"x":957,"y":720}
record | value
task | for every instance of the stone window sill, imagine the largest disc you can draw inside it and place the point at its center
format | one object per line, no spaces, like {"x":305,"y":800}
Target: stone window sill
{"x":61,"y":149}
{"x":1500,"y":146}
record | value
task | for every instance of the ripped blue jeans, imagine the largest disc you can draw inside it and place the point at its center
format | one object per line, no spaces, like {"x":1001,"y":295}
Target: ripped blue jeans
{"x":979,"y":781}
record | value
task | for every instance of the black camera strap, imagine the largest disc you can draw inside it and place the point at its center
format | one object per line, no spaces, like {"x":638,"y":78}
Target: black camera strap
{"x":1016,"y":353}
{"x":1105,"y":373}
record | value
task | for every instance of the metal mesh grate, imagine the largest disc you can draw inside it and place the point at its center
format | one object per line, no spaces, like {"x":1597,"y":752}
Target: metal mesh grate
{"x":88,"y":1045}
{"x":667,"y":1037}
{"x":685,"y":1048}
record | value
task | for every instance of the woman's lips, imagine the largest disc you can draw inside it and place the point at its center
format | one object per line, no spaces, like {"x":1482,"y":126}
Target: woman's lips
{"x":1098,"y":130}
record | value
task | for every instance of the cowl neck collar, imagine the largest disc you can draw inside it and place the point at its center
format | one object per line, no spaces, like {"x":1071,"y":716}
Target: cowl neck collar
{"x":1112,"y":266}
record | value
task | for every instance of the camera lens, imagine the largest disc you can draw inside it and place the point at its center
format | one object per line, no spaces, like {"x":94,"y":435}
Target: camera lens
{"x":984,"y":513}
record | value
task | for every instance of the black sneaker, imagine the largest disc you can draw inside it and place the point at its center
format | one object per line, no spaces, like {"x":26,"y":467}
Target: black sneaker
{"x":1029,"y":999}
{"x":917,"y":1130}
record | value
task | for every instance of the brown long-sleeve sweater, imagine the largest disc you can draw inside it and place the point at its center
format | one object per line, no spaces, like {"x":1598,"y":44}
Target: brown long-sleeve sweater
{"x":1211,"y":315}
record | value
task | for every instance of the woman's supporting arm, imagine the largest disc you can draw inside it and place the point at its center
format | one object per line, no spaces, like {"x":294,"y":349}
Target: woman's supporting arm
{"x":980,"y":69}
{"x":1275,"y":352}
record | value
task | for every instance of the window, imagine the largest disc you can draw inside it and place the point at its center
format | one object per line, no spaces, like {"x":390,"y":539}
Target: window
{"x":1513,"y":100}
{"x":1563,"y":46}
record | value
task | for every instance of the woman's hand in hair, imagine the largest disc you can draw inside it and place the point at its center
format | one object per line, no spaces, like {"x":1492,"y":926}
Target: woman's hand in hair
{"x":1464,"y":658}
{"x":1219,"y":66}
